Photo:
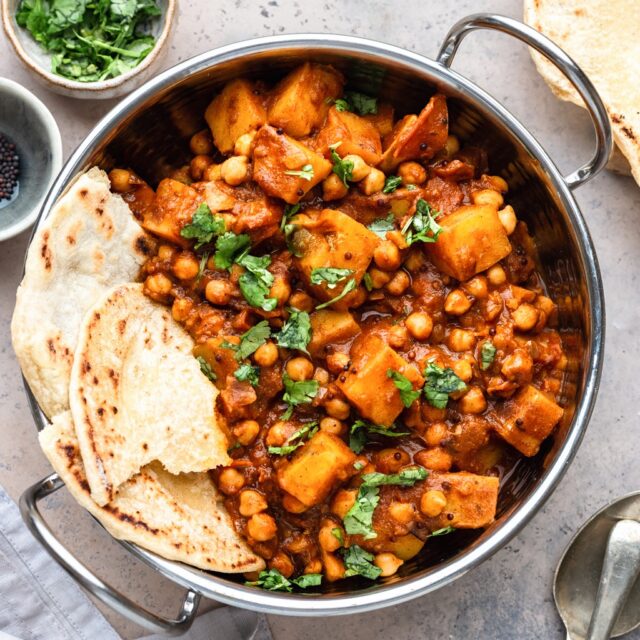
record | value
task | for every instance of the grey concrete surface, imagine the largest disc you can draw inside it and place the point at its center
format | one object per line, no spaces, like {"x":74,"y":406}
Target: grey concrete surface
{"x":509,"y":596}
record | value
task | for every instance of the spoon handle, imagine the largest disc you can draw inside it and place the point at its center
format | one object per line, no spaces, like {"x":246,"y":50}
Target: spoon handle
{"x":619,"y":571}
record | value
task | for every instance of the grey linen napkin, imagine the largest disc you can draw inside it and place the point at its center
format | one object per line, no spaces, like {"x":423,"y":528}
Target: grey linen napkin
{"x":39,"y":601}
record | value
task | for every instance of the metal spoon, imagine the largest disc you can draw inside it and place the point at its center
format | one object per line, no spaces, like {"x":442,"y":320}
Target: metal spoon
{"x":596,"y":588}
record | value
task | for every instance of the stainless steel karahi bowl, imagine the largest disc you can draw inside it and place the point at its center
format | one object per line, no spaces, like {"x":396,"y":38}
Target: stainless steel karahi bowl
{"x":149,"y":131}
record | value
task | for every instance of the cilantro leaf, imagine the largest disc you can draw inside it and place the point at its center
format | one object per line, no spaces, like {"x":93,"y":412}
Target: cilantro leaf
{"x":251,"y":340}
{"x":440,"y":383}
{"x":290,"y":210}
{"x":330,"y":275}
{"x":407,"y":393}
{"x":405,"y":478}
{"x":296,"y":331}
{"x":205,"y":367}
{"x":358,"y":434}
{"x":422,"y":225}
{"x":308,"y":580}
{"x":305,"y":433}
{"x":358,"y":562}
{"x":271,"y":580}
{"x":298,"y":392}
{"x":228,"y":247}
{"x":306,"y":173}
{"x":248,"y":373}
{"x":256,"y":282}
{"x":382,"y":225}
{"x":391,"y":183}
{"x":361,"y":103}
{"x":367,"y":281}
{"x":487,"y":354}
{"x":203,"y":226}
{"x":442,"y":532}
{"x":337,"y":534}
{"x":201,"y":267}
{"x":342,"y":168}
{"x":342,"y":105}
{"x":348,"y":288}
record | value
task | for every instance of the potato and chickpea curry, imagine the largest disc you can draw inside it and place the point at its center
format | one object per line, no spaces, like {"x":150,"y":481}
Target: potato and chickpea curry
{"x":369,"y":309}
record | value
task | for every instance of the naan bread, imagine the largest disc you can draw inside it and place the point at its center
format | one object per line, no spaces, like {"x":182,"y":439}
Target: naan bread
{"x":602,"y":37}
{"x":137,"y":394}
{"x":89,"y":243}
{"x":178,"y":517}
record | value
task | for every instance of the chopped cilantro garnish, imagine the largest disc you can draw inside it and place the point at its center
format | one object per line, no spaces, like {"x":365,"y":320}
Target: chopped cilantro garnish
{"x":411,"y":187}
{"x":337,"y":534}
{"x":342,"y":168}
{"x":296,"y":331}
{"x":422,"y":225}
{"x":348,"y":288}
{"x":256,"y":282}
{"x":358,"y":434}
{"x":203,"y":226}
{"x":382,"y":225}
{"x":296,"y":440}
{"x":290,"y":210}
{"x":201,"y":267}
{"x":273,"y":580}
{"x":358,"y":562}
{"x":248,"y":373}
{"x":298,"y":392}
{"x":306,"y":173}
{"x":361,"y":103}
{"x":391,"y":184}
{"x":230,"y":246}
{"x":342,"y":105}
{"x":487,"y":354}
{"x":308,"y":580}
{"x":442,"y":532}
{"x":407,"y":393}
{"x":367,"y":281}
{"x":251,"y":340}
{"x":440,"y":383}
{"x":205,"y":367}
{"x":330,"y":275}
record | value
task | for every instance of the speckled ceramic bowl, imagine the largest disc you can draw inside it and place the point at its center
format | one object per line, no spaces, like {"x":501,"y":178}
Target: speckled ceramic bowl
{"x":39,"y":62}
{"x":29,"y":124}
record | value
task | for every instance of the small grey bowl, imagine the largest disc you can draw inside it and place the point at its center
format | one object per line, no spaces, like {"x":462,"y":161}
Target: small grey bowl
{"x":29,"y":124}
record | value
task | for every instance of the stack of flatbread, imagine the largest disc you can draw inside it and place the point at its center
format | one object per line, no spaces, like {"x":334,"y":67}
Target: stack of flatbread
{"x":133,"y":428}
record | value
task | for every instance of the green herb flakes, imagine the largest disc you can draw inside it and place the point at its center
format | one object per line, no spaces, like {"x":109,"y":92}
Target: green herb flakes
{"x":382,"y":225}
{"x":439,"y":384}
{"x":306,"y":173}
{"x":391,"y":184}
{"x":358,"y":562}
{"x":296,"y":331}
{"x":360,"y":431}
{"x":487,"y":354}
{"x":298,"y":392}
{"x":205,"y":367}
{"x":251,"y":340}
{"x":329,"y":275}
{"x":348,"y":288}
{"x":248,"y":373}
{"x":273,"y":580}
{"x":442,"y":532}
{"x":230,"y":246}
{"x":407,"y":393}
{"x":422,"y":225}
{"x":203,"y":226}
{"x":296,"y":440}
{"x":342,"y":168}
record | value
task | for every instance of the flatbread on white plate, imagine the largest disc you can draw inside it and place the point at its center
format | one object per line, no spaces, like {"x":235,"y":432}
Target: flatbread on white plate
{"x":89,"y":243}
{"x":602,"y":37}
{"x":137,"y":394}
{"x":180,"y":517}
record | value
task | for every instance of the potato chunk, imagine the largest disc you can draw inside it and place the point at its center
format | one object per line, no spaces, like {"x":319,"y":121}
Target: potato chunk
{"x":175,"y":204}
{"x":300,"y":102}
{"x":528,"y":418}
{"x":331,"y":327}
{"x":276,"y":154}
{"x":333,"y":239}
{"x":355,"y":135}
{"x":471,"y":499}
{"x":236,"y":110}
{"x":367,"y":385}
{"x":383,"y":119}
{"x":418,"y":137}
{"x":472,"y":240}
{"x":316,"y":468}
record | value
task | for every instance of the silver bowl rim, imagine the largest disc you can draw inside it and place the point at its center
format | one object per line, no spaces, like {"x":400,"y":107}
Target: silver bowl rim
{"x":225,"y":591}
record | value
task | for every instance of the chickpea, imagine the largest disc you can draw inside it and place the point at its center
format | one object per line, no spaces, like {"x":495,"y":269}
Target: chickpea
{"x":293,"y":505}
{"x":525,"y":317}
{"x":337,"y":408}
{"x":508,"y":219}
{"x":321,"y":375}
{"x":397,"y":237}
{"x":399,"y":283}
{"x":338,"y":362}
{"x":487,"y":197}
{"x":185,"y":266}
{"x":331,"y":425}
{"x":412,"y":173}
{"x":398,"y":336}
{"x":230,"y":481}
{"x":218,"y":292}
{"x":212,"y":173}
{"x":460,"y":340}
{"x":388,"y":563}
{"x":201,"y":143}
{"x":378,"y":278}
{"x":266,"y":354}
{"x":333,"y":188}
{"x":463,"y":369}
{"x":278,"y":433}
{"x":300,"y":369}
{"x":198,"y":166}
{"x":432,"y":503}
{"x":262,"y":527}
{"x":477,"y":287}
{"x":473,"y":401}
{"x":436,"y":459}
{"x":181,"y":308}
{"x":244,"y":144}
{"x":457,"y":303}
{"x":246,"y":431}
{"x":165,"y":252}
{"x":451,"y":146}
{"x":120,"y":180}
{"x":496,"y":275}
{"x":343,"y":501}
{"x":158,"y":286}
{"x":360,"y":168}
{"x":282,"y":563}
{"x":499,"y":183}
{"x":333,"y":567}
{"x":391,"y":460}
{"x":373,"y":183}
{"x":419,"y":324}
{"x":280,"y":290}
{"x":518,"y":366}
{"x":301,"y":301}
{"x":251,"y":502}
{"x":234,"y":171}
{"x":327,"y":540}
{"x":387,"y":256}
{"x":402,"y":512}
{"x":436,"y":433}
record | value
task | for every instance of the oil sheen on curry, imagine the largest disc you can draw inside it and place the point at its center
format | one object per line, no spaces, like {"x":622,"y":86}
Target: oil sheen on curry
{"x":368,"y":306}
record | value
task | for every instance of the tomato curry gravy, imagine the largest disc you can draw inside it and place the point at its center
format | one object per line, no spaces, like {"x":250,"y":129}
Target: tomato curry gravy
{"x":368,"y":307}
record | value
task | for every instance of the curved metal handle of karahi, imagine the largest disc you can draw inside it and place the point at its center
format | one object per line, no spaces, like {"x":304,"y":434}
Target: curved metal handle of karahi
{"x":553,"y":53}
{"x":88,"y":580}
